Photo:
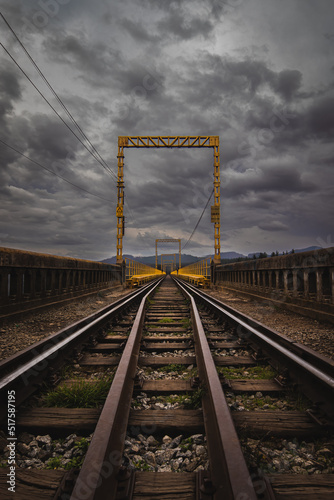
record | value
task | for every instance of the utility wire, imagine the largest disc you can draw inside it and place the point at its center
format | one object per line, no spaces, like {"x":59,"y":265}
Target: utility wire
{"x":52,"y":172}
{"x":48,"y":102}
{"x":69,"y":114}
{"x":199,"y":220}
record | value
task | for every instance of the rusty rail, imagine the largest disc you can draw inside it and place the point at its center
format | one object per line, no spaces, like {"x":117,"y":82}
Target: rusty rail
{"x":229,"y":474}
{"x":99,"y":476}
{"x":26,"y":369}
{"x":307,"y":368}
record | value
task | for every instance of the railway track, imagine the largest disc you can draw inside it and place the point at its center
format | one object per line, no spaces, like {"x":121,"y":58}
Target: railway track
{"x":169,"y":355}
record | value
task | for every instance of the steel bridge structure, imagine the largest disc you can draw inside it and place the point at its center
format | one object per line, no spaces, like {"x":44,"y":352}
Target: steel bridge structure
{"x":168,"y":259}
{"x":209,"y":141}
{"x":166,"y":240}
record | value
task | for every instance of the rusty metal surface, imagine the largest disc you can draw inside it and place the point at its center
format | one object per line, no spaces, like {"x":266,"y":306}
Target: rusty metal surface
{"x":311,"y":371}
{"x":229,"y":473}
{"x":99,"y":476}
{"x":26,"y":369}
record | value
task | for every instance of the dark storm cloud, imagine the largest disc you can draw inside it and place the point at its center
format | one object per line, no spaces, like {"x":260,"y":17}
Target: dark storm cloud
{"x":273,"y":226}
{"x":182,"y":27}
{"x":49,"y":139}
{"x":292,"y":126}
{"x":268,"y":179}
{"x":287,"y":83}
{"x":251,"y":72}
{"x":137,"y":31}
{"x":101,"y":65}
{"x":97,"y":59}
{"x":10,"y":89}
{"x":320,"y":118}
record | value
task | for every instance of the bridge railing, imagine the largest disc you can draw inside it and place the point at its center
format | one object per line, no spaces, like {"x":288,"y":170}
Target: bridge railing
{"x":30,"y":280}
{"x":137,"y":273}
{"x":198,"y":273}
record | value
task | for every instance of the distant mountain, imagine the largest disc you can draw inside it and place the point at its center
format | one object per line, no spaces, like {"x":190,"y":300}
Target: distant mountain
{"x":231,"y":255}
{"x":308,"y":249}
{"x":186,"y":259}
{"x":299,"y":250}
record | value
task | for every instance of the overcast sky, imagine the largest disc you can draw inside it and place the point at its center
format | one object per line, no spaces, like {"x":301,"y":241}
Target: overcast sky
{"x":258,"y":73}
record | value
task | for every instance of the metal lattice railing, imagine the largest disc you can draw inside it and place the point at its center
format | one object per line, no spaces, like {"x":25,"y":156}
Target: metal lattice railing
{"x":200,"y":268}
{"x":135,"y":268}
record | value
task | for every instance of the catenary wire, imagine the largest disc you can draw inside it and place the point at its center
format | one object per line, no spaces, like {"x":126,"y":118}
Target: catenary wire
{"x":52,"y":172}
{"x":55,"y":111}
{"x":199,"y":220}
{"x":69,"y":114}
{"x":105,"y":165}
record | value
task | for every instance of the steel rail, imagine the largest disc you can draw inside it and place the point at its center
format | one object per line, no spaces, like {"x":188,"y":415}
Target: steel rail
{"x":37,"y":359}
{"x":231,"y":479}
{"x":293,"y":345}
{"x":324,"y":377}
{"x":98,"y":478}
{"x":307,"y":366}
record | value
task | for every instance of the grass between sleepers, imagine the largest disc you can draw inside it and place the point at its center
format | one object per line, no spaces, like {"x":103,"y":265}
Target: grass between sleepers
{"x":81,"y":394}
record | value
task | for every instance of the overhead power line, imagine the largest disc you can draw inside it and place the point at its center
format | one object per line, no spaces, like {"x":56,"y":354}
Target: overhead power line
{"x":53,"y":109}
{"x":94,"y":151}
{"x":199,"y":220}
{"x":69,"y":114}
{"x":52,"y":172}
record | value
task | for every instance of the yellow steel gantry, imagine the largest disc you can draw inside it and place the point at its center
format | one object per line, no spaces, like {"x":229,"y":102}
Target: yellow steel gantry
{"x":210,"y":141}
{"x":166,"y":240}
{"x":171,"y":261}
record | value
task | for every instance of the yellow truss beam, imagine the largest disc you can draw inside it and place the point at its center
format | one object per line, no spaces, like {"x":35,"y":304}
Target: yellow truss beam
{"x":177,"y":141}
{"x":160,"y":141}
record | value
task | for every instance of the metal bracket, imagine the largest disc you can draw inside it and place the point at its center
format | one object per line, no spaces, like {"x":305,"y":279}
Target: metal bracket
{"x":262,"y":487}
{"x":204,"y":486}
{"x":126,"y":483}
{"x":283,"y":379}
{"x":195,"y":382}
{"x":138,"y":382}
{"x":259,"y":357}
{"x":317,"y":415}
{"x":66,"y":485}
{"x":53,"y":377}
{"x":76,"y":355}
{"x":224,"y":381}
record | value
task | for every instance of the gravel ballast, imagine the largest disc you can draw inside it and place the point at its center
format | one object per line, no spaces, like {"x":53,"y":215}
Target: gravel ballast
{"x":17,"y":334}
{"x":312,"y":333}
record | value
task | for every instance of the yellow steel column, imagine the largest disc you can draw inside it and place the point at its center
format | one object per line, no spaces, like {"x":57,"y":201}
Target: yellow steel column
{"x":120,"y":199}
{"x":216,"y":184}
{"x":156,"y":254}
{"x":179,"y":254}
